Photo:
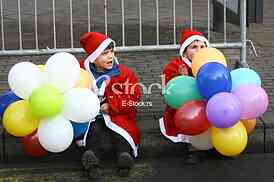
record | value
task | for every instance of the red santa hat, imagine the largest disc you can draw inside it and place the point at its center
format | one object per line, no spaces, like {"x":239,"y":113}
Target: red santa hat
{"x":94,"y":43}
{"x":188,"y":36}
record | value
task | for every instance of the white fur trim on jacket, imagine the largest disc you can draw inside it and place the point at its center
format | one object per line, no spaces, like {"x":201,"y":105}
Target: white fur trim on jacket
{"x":98,"y":91}
{"x":122,"y":132}
{"x":176,"y":139}
{"x":115,"y":128}
{"x":82,"y":142}
{"x":107,"y":118}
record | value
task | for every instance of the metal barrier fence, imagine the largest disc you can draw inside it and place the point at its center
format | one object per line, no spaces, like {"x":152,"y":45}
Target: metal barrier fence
{"x":36,"y":50}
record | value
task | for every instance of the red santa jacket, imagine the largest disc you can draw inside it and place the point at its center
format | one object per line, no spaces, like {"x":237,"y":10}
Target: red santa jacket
{"x":167,"y":124}
{"x":123,"y":94}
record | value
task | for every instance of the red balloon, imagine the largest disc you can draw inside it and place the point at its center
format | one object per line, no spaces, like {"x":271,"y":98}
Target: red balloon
{"x":31,"y":145}
{"x":191,"y":119}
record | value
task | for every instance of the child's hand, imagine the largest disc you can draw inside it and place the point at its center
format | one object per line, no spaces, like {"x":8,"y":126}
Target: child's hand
{"x":105,"y":107}
{"x":183,"y":70}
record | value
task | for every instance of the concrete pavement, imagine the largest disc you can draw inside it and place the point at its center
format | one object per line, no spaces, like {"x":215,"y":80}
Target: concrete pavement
{"x":245,"y":168}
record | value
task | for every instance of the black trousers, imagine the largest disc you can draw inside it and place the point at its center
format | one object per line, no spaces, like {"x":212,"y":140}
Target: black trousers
{"x":101,"y":137}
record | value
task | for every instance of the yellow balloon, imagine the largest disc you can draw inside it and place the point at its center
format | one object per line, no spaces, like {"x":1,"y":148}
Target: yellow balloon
{"x":84,"y":80}
{"x":41,"y":67}
{"x":229,"y":141}
{"x":18,"y":120}
{"x":206,"y":55}
{"x":249,"y":124}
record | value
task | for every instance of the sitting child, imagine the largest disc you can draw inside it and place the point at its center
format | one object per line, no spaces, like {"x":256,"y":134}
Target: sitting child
{"x":117,"y":89}
{"x":191,"y":42}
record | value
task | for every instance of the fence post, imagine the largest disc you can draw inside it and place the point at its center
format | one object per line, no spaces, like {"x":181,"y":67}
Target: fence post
{"x":243,"y":33}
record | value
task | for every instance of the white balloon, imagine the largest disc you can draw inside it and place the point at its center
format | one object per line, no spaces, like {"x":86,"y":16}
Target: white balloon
{"x":80,"y":105}
{"x":23,"y":78}
{"x":55,"y":134}
{"x":62,"y":70}
{"x":202,"y":141}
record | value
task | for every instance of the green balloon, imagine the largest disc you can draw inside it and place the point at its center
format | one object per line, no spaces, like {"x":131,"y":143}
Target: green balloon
{"x":46,"y":101}
{"x":180,"y":90}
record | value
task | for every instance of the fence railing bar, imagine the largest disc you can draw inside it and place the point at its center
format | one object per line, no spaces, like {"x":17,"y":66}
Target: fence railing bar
{"x":157,"y":22}
{"x":230,"y":45}
{"x":2,"y":25}
{"x":208,"y":20}
{"x":140,"y":23}
{"x":35,"y":24}
{"x":106,"y":17}
{"x":54,"y":25}
{"x":19,"y":24}
{"x":174,"y":21}
{"x":191,"y":14}
{"x":88,"y":15}
{"x":123,"y":22}
{"x":71,"y":24}
{"x":122,"y":48}
{"x":224,"y":21}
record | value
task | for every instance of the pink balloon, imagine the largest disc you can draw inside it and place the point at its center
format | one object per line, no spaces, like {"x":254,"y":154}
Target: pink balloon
{"x":253,"y":99}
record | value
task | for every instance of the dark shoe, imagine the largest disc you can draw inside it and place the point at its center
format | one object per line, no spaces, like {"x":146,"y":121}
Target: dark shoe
{"x":91,"y":164}
{"x":193,"y":158}
{"x":125,"y":164}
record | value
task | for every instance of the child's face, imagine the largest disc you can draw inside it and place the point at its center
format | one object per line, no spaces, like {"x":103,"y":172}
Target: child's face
{"x":104,"y":61}
{"x":194,"y":47}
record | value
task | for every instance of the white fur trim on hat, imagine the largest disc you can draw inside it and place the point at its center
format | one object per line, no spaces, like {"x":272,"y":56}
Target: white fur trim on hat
{"x":189,"y":40}
{"x":91,"y":58}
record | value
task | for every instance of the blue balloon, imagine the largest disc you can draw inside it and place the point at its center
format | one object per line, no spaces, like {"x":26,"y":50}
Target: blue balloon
{"x":244,"y":76}
{"x":5,"y":100}
{"x":213,"y":78}
{"x":79,"y":128}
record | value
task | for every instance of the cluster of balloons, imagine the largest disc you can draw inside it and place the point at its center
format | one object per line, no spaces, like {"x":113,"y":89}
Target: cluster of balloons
{"x":217,"y":107}
{"x":48,"y":105}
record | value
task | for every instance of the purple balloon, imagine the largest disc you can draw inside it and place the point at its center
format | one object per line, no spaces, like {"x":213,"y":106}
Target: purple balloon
{"x":253,"y":99}
{"x":223,"y":110}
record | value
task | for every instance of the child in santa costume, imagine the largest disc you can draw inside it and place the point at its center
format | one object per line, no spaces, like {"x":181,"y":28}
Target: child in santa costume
{"x":117,"y":89}
{"x":191,"y":42}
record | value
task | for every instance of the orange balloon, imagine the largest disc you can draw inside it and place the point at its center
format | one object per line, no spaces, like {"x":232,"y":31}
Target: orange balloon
{"x":206,"y":55}
{"x":84,"y":80}
{"x":249,"y":124}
